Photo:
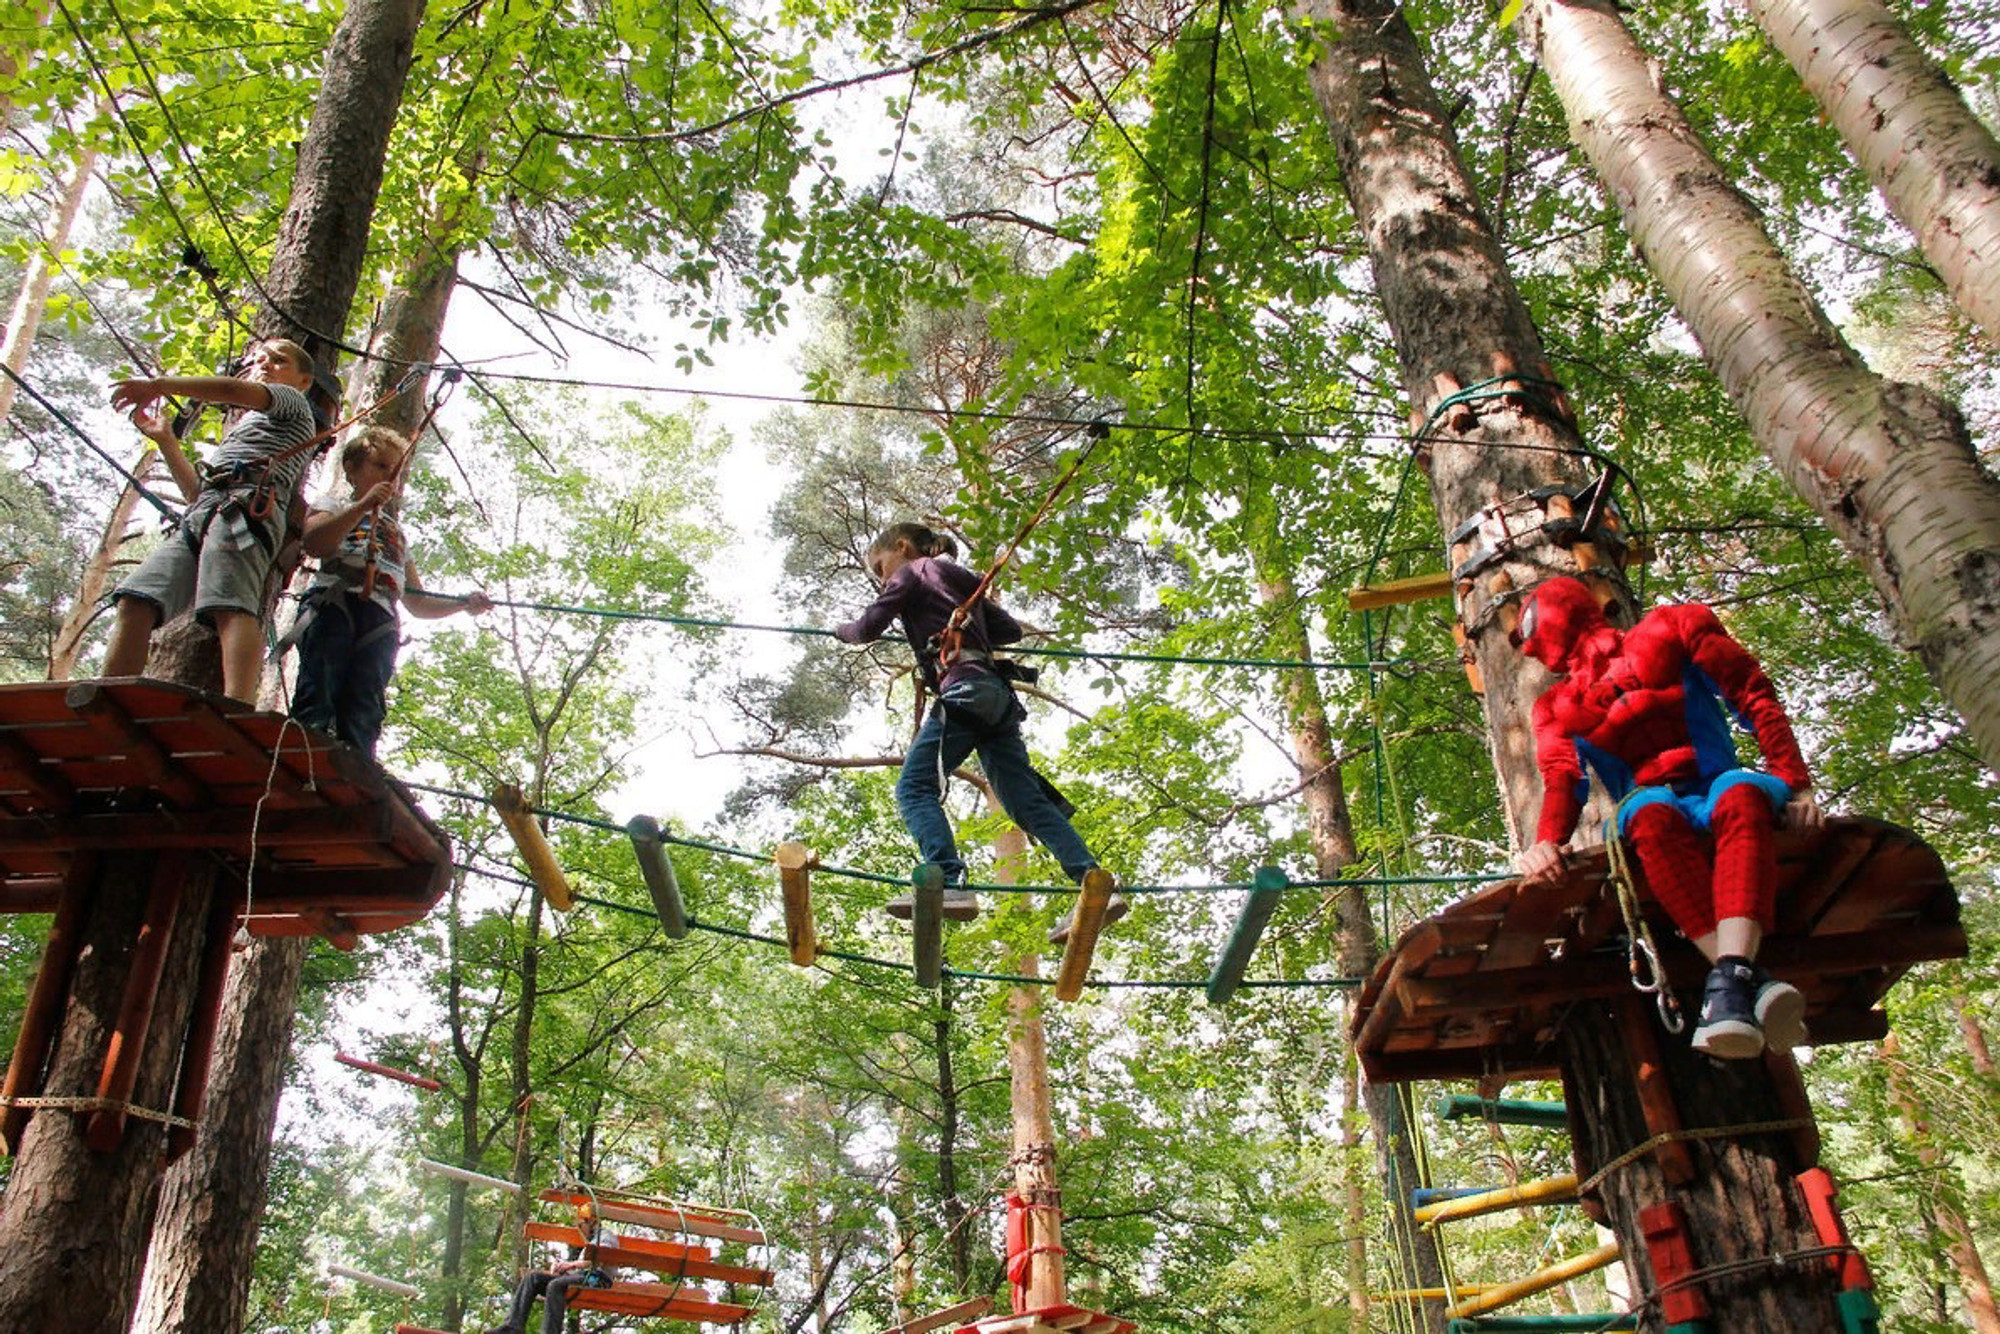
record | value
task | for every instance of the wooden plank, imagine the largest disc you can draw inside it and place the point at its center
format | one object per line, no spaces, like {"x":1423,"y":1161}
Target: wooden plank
{"x":21,"y":763}
{"x":690,"y":1220}
{"x":1397,"y":592}
{"x":671,"y":1258}
{"x":110,"y":721}
{"x":664,"y":1301}
{"x":40,"y":893}
{"x":951,"y":1315}
{"x":1841,"y":854}
{"x":1531,"y":919}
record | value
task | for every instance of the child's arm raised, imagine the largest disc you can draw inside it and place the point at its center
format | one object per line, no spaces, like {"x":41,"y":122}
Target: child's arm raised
{"x":327,"y":529}
{"x":130,"y":395}
{"x":156,"y":428}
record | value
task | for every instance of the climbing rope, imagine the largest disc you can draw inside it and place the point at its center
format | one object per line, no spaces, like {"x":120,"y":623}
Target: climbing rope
{"x":1645,"y":1147}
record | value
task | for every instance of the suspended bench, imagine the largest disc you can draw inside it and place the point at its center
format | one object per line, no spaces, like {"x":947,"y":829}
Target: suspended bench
{"x":684,"y":1249}
{"x":331,"y":845}
{"x":1479,"y":988}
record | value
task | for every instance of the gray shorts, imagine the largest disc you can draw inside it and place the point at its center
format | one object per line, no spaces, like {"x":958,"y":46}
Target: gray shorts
{"x":228,"y":574}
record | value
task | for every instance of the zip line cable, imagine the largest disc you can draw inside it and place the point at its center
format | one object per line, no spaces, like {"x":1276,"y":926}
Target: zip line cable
{"x":171,"y":514}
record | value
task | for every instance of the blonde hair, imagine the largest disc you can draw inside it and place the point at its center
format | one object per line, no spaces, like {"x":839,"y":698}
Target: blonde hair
{"x":380,"y":440}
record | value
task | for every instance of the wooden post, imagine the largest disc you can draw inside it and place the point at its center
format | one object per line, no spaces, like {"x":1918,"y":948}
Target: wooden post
{"x":795,"y":865}
{"x":45,"y":1001}
{"x":192,"y":1090}
{"x":658,"y":870}
{"x":135,"y":1010}
{"x":927,"y":916}
{"x":512,"y":807}
{"x":1083,"y":931}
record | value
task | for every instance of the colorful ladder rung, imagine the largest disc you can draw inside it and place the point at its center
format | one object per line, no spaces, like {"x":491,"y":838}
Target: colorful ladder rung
{"x":1423,"y":1195}
{"x":1266,"y":888}
{"x":795,"y":865}
{"x":1502,"y":1111}
{"x":658,"y":871}
{"x":1545,"y":1324}
{"x":1540,"y":1281}
{"x":512,"y":806}
{"x":1555,"y":1190}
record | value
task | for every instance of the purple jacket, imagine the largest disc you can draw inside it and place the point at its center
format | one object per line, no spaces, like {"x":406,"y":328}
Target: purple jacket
{"x":923,"y":594}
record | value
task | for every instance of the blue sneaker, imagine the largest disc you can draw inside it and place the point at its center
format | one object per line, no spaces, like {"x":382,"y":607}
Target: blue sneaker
{"x":1728,"y":1029}
{"x":1781,"y":1012}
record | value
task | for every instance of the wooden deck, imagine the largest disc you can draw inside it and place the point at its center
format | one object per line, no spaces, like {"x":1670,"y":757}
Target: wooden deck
{"x":1479,"y":988}
{"x":340,"y":848}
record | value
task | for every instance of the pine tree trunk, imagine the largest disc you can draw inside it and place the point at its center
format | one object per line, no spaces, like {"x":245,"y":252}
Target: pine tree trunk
{"x":211,"y":1202}
{"x":96,"y":576}
{"x":1888,"y":466}
{"x":1975,"y":1037}
{"x":1947,"y":1205}
{"x":33,"y":299}
{"x":954,"y":1204}
{"x":1908,"y":126}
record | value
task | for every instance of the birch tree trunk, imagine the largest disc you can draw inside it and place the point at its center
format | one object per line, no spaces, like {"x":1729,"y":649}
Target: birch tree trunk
{"x":1947,"y":1207}
{"x":1888,"y":466}
{"x":33,"y":299}
{"x":1906,"y":123}
{"x":198,"y":1275}
{"x":97,"y":573}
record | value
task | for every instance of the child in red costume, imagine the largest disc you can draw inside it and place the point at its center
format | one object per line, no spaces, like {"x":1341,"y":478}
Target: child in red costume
{"x":1641,"y":708}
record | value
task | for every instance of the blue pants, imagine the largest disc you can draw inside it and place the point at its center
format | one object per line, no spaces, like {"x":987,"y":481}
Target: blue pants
{"x":346,"y":657}
{"x":943,"y":742}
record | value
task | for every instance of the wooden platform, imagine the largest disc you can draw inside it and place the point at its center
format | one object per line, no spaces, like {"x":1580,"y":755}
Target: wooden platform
{"x":1479,"y":988}
{"x":1063,"y":1319}
{"x":341,"y":848}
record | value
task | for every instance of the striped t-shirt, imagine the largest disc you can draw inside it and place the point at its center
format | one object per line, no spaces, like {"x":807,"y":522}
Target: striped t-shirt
{"x":256,"y":436}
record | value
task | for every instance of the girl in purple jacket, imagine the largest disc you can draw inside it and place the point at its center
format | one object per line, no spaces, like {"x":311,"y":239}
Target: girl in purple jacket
{"x":976,"y":712}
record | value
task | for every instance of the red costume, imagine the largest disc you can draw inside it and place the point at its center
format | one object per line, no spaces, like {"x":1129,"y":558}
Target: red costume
{"x":1642,"y":709}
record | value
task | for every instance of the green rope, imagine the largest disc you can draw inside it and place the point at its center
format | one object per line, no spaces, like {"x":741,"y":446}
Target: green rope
{"x":818,"y":632}
{"x":902,"y":881}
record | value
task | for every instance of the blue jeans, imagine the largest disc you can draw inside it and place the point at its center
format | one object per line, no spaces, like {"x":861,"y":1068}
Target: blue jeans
{"x":943,"y":742}
{"x":346,"y":657}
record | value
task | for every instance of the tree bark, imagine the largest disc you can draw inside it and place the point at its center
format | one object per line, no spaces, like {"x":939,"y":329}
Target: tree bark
{"x":73,"y":1222}
{"x":1906,"y":123}
{"x":96,"y":575}
{"x":211,"y":1201}
{"x":1947,"y":1204}
{"x":954,"y":1205}
{"x":33,"y":299}
{"x":1888,"y":466}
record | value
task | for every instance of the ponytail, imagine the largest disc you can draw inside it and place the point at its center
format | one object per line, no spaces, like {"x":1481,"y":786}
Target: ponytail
{"x":922,"y":540}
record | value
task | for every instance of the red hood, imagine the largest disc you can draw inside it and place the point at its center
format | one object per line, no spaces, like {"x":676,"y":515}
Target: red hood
{"x":1562,"y":623}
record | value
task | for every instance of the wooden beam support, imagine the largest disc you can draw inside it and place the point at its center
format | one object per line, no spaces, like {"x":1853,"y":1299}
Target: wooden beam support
{"x":658,"y":870}
{"x":19,"y":761}
{"x":223,"y":829}
{"x":1083,"y":931}
{"x":120,"y":1075}
{"x":795,"y":865}
{"x":92,"y":702}
{"x":45,"y":1002}
{"x":927,"y":917}
{"x":1266,"y":888}
{"x":226,"y":737}
{"x":514,"y":812}
{"x":1656,"y":1093}
{"x":951,"y":1315}
{"x":191,"y":1087}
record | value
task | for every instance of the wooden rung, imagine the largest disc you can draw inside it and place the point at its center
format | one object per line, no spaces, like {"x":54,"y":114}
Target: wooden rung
{"x":951,"y":1315}
{"x":665,"y":1301}
{"x":927,"y":917}
{"x":1506,"y":1294}
{"x":795,"y":865}
{"x":1396,"y":592}
{"x":1266,"y":888}
{"x":658,"y":870}
{"x":1432,"y":1294}
{"x":388,"y":1072}
{"x":409,"y":1290}
{"x":468,"y":1176}
{"x":417,"y":1329}
{"x":1555,"y":1190}
{"x":512,"y":805}
{"x":1083,"y":931}
{"x":1502,"y":1111}
{"x":664,"y":1218}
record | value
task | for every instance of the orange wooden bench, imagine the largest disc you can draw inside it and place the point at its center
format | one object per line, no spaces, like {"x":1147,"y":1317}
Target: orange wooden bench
{"x":697,"y":1233}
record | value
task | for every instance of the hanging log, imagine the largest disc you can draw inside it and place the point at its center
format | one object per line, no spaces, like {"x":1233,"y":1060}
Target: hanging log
{"x":468,"y":1176}
{"x":1082,"y":942}
{"x":927,"y":916}
{"x":658,"y":870}
{"x":1266,"y":888}
{"x":388,"y":1072}
{"x":409,"y":1291}
{"x":795,"y":865}
{"x":535,"y":850}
